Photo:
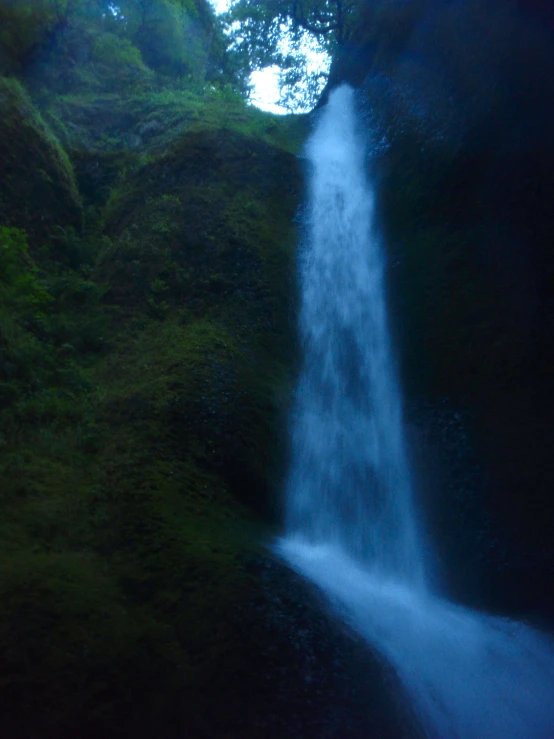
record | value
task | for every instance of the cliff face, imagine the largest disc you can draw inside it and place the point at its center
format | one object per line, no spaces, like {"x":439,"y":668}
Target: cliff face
{"x":146,"y":272}
{"x":147,"y":296}
{"x":460,"y":95}
{"x":147,"y":349}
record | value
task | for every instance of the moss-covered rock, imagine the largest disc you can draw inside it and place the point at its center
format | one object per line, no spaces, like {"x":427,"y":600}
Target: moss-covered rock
{"x":148,"y":362}
{"x":205,"y":231}
{"x":108,"y":136}
{"x":136,"y":467}
{"x":38,"y":191}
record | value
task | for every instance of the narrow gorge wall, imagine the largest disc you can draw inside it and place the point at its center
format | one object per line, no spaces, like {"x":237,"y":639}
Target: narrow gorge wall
{"x":459,"y":96}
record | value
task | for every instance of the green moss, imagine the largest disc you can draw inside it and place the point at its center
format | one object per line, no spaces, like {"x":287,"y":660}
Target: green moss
{"x":110,"y":137}
{"x":141,"y":429}
{"x":113,"y":50}
{"x":23,"y":27}
{"x":206,"y":229}
{"x":120,"y":566}
{"x":150,"y":122}
{"x":39,"y":190}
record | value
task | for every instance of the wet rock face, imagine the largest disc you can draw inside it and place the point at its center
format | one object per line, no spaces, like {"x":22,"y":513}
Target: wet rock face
{"x":478,"y":558}
{"x":303,"y":673}
{"x":466,"y":184}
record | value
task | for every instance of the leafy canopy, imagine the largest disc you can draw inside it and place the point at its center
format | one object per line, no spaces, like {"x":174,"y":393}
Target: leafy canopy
{"x":294,"y":35}
{"x":175,"y":38}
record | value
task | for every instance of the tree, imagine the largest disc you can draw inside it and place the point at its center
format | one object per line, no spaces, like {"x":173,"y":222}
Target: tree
{"x":173,"y":38}
{"x":288,"y":34}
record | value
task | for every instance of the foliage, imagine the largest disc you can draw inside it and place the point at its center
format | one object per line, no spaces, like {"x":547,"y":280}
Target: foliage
{"x":50,"y":320}
{"x":38,"y":190}
{"x":169,"y":36}
{"x":25,"y":26}
{"x":70,"y":44}
{"x":259,"y":22}
{"x":140,"y":368}
{"x":286,"y":34}
{"x":18,"y":276}
{"x":110,"y":49}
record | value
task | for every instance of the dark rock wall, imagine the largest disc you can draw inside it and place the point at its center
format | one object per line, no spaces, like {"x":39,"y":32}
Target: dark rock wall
{"x":459,"y":97}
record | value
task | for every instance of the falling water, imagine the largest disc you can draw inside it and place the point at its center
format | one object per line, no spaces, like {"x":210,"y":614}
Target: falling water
{"x":351,"y":523}
{"x":347,"y":435}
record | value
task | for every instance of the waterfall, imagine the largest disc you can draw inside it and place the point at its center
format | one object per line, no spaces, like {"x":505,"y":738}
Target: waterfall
{"x":351,"y":523}
{"x":347,"y":433}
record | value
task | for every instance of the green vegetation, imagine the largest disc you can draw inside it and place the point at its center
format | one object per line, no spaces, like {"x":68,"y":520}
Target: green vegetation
{"x":120,"y":549}
{"x":145,"y":261}
{"x":76,"y":45}
{"x":139,"y":396}
{"x":279,"y":32}
{"x":146,"y":292}
{"x":37,"y":176}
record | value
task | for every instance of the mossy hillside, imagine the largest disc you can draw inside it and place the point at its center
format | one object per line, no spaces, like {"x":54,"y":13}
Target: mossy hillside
{"x":112,"y":582}
{"x":121,"y":544}
{"x":120,"y":552}
{"x":94,"y":46}
{"x":38,"y":191}
{"x":216,"y":198}
{"x":109,"y":136}
{"x":51,"y":328}
{"x":206,"y":230}
{"x":55,"y":594}
{"x":139,"y":419}
{"x":188,"y":387}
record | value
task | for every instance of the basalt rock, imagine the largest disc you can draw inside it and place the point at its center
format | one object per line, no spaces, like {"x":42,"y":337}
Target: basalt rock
{"x":459,"y":97}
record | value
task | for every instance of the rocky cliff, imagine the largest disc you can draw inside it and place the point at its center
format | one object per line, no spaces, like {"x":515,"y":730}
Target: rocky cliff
{"x":457,"y":97}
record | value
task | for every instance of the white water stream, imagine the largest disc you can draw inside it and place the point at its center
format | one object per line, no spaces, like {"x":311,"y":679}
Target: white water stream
{"x":351,"y":523}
